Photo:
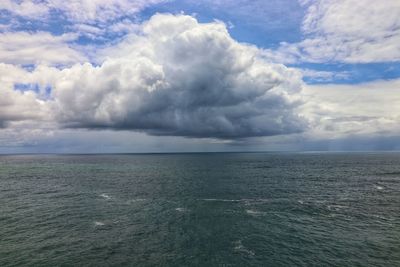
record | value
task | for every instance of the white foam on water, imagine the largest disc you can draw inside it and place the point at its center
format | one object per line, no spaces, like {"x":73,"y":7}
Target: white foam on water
{"x":105,"y":196}
{"x":379,"y":187}
{"x":254,"y":212}
{"x":99,"y":224}
{"x":236,"y":200}
{"x":221,"y":200}
{"x":240,"y":248}
{"x":181,"y":209}
{"x":300,"y":202}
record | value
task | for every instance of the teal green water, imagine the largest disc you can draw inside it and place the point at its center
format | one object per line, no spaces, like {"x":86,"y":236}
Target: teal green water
{"x":220,"y":209}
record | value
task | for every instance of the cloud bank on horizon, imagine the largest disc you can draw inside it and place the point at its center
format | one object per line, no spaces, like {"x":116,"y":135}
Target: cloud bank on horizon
{"x":127,"y":65}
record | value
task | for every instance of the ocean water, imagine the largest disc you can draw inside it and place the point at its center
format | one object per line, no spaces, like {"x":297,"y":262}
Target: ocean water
{"x":222,"y":209}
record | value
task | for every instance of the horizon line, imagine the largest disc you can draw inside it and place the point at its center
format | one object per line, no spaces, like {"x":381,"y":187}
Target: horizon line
{"x":204,"y":152}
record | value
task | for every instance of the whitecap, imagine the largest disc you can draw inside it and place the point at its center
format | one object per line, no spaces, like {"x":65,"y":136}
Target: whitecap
{"x":240,"y":248}
{"x":105,"y":196}
{"x":246,"y":201}
{"x":221,"y":200}
{"x":181,"y":209}
{"x":99,"y":224}
{"x":232,"y":200}
{"x":254,"y":212}
{"x":379,"y":187}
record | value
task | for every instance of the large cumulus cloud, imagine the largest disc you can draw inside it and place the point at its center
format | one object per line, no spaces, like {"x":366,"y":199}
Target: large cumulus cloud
{"x":183,"y":78}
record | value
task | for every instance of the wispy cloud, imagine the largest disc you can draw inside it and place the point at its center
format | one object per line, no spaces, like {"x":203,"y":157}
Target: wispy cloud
{"x":26,"y":8}
{"x":77,"y":10}
{"x":325,"y":76}
{"x":38,"y":48}
{"x":93,"y":19}
{"x":347,"y":31}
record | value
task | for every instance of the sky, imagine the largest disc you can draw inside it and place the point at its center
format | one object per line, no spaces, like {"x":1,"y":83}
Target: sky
{"x":134,"y":76}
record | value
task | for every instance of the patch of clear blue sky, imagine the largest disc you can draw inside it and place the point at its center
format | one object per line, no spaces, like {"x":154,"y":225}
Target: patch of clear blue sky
{"x":263,"y":23}
{"x":259,"y":22}
{"x":43,"y":93}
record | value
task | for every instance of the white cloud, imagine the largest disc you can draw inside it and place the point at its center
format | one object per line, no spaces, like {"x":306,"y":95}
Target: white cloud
{"x":19,"y":106}
{"x":26,"y":8}
{"x":100,"y":10}
{"x":324,"y":76}
{"x":368,"y":109}
{"x":88,"y":30}
{"x":102,"y":32}
{"x":78,"y":11}
{"x":348,"y":31}
{"x":166,"y":81}
{"x":91,"y":18}
{"x":38,"y":48}
{"x":15,"y":105}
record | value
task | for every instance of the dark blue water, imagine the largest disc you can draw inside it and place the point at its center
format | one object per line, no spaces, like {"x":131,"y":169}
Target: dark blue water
{"x":200,"y":210}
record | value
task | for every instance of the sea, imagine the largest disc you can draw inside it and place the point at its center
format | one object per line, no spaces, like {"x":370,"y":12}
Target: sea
{"x":204,"y":209}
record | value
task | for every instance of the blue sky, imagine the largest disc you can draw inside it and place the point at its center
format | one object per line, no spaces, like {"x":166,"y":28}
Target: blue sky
{"x":311,"y":56}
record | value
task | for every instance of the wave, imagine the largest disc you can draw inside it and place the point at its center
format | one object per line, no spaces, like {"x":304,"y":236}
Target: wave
{"x":105,"y":196}
{"x":378,"y":187}
{"x":221,"y":200}
{"x":246,"y":200}
{"x":181,"y":209}
{"x":99,"y":223}
{"x":390,"y":173}
{"x":240,"y":248}
{"x":254,"y":212}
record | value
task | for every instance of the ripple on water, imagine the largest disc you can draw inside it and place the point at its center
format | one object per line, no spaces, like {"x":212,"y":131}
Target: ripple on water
{"x":135,"y":200}
{"x":255,"y":212}
{"x":307,"y":210}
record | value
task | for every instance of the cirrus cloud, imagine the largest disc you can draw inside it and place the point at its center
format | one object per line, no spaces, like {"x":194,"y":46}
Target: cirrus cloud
{"x":348,"y":31}
{"x":77,"y":10}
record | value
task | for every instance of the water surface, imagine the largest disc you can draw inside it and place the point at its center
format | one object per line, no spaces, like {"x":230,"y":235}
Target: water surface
{"x":222,"y":209}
